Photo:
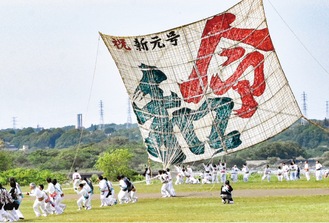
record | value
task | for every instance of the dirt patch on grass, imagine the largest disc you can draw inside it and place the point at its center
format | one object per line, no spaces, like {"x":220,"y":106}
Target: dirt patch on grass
{"x":261,"y":193}
{"x":236,"y":193}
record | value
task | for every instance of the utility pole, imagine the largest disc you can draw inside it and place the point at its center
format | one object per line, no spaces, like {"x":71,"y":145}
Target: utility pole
{"x":101,"y":116}
{"x":14,"y":123}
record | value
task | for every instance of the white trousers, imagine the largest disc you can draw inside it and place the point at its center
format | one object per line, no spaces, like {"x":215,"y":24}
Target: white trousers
{"x":39,"y":205}
{"x":123,"y":196}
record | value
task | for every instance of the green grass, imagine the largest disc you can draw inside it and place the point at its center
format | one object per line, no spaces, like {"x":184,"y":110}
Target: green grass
{"x":191,"y":209}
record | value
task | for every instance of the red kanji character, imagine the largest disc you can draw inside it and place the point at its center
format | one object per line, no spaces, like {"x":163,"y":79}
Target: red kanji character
{"x":216,"y":28}
{"x":120,"y":44}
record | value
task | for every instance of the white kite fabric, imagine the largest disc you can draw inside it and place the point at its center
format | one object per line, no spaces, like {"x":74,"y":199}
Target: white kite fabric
{"x":208,"y":88}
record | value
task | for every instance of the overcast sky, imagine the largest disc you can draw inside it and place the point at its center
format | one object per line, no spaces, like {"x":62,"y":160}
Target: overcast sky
{"x":53,"y":65}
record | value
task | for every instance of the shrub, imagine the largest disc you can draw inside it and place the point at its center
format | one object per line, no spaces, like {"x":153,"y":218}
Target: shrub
{"x":25,"y":176}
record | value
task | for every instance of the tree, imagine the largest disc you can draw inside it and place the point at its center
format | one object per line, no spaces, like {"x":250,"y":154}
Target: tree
{"x":2,"y":144}
{"x":115,"y":163}
{"x":6,"y":160}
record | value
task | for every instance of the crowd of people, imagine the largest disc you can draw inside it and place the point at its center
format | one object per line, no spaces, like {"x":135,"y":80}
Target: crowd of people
{"x":219,"y":173}
{"x":49,"y":201}
{"x":10,"y":202}
{"x":85,"y":189}
{"x":292,"y":171}
{"x":211,"y":173}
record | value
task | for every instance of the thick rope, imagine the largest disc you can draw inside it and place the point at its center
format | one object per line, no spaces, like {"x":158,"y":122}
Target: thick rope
{"x":316,"y":124}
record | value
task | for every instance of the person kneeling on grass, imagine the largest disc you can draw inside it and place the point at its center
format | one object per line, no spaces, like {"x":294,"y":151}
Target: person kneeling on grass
{"x":226,"y":193}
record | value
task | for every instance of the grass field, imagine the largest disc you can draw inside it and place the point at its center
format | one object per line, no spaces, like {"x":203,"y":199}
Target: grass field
{"x":204,"y":206}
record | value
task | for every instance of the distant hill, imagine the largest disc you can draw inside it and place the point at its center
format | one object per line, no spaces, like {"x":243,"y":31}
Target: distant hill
{"x":308,"y":136}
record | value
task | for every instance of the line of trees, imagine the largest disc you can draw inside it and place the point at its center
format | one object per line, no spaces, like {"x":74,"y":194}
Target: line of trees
{"x":64,"y":149}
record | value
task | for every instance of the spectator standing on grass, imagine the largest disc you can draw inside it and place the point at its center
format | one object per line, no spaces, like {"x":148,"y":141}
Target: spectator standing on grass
{"x":234,"y":174}
{"x":293,"y":170}
{"x":280,"y":174}
{"x":307,"y":170}
{"x":285,"y":169}
{"x":214,"y":173}
{"x":318,"y":170}
{"x":147,"y":174}
{"x":245,"y":171}
{"x":76,"y":177}
{"x":222,"y":169}
{"x":298,"y":172}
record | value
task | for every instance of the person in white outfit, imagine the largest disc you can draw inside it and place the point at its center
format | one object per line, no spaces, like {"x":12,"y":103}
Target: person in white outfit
{"x":39,"y":203}
{"x":293,"y":170}
{"x":111,"y":198}
{"x":131,"y":190}
{"x":19,"y":195}
{"x":84,"y":200}
{"x":105,"y":191}
{"x":206,"y":167}
{"x":49,"y":205}
{"x":267,"y":173}
{"x":192,"y":179}
{"x":206,"y":178}
{"x":234,"y":174}
{"x":170,"y":184}
{"x":147,"y":174}
{"x":60,"y":196}
{"x":163,"y":177}
{"x":318,"y":170}
{"x":89,"y":188}
{"x":180,"y":175}
{"x":214,"y":173}
{"x":285,"y":169}
{"x":279,"y":174}
{"x":123,"y":193}
{"x":245,"y":171}
{"x":54,"y":195}
{"x":76,"y":177}
{"x":7,"y":204}
{"x":222,"y":169}
{"x":307,"y":171}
